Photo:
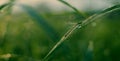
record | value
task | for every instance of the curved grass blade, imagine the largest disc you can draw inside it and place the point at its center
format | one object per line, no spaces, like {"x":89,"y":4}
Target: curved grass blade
{"x":79,"y":25}
{"x":40,"y":20}
{"x":113,"y":7}
{"x":3,"y":6}
{"x":67,"y":34}
{"x":7,"y":6}
{"x":75,"y":9}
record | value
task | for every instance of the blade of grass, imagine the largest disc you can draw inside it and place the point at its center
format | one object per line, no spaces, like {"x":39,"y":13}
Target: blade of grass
{"x":67,"y":34}
{"x":75,"y":9}
{"x":3,"y":6}
{"x":7,"y":6}
{"x":89,"y":52}
{"x":100,"y":14}
{"x":41,"y":21}
{"x":110,"y":8}
{"x":79,"y":25}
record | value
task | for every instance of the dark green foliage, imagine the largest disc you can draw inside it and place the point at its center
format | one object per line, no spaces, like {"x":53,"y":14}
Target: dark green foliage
{"x":28,"y":38}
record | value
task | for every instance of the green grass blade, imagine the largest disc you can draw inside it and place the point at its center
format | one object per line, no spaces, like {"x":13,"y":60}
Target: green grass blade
{"x":75,"y":9}
{"x":3,"y":6}
{"x":100,"y":14}
{"x":41,"y":21}
{"x":108,"y":9}
{"x":67,"y":34}
{"x":79,"y":25}
{"x":7,"y":6}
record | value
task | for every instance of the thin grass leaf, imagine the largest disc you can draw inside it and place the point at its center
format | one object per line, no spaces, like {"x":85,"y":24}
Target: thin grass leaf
{"x":75,"y":9}
{"x":100,"y":14}
{"x":7,"y":6}
{"x":113,"y":7}
{"x":88,"y":56}
{"x":79,"y":25}
{"x":67,"y":34}
{"x":41,"y":21}
{"x":89,"y":53}
{"x":3,"y":6}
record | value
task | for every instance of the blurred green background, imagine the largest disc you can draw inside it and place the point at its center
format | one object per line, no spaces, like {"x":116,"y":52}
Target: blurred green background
{"x":24,"y":38}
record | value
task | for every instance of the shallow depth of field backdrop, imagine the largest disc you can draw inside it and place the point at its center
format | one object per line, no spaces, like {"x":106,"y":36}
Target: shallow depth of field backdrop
{"x":59,"y":30}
